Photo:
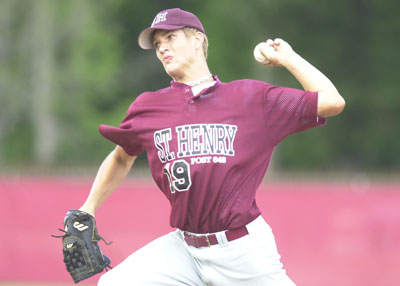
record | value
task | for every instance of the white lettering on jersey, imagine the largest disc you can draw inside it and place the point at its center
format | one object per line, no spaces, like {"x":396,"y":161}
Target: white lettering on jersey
{"x":205,"y":139}
{"x":161,"y":141}
{"x":196,"y":140}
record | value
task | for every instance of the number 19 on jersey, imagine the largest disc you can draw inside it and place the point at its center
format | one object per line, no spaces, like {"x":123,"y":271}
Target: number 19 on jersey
{"x":178,"y":175}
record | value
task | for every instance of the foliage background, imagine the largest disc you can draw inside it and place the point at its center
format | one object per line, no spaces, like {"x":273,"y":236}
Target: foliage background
{"x":67,"y":66}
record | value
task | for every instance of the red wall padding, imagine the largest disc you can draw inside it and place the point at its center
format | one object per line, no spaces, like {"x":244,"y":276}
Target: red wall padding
{"x":331,"y":234}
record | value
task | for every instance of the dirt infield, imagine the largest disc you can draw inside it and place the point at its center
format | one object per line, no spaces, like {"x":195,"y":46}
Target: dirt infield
{"x":328,"y":233}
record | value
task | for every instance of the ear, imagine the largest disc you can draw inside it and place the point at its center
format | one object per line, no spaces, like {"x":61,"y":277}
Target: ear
{"x":199,"y":38}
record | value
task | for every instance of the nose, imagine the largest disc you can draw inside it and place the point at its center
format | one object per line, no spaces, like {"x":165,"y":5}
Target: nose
{"x":163,"y":48}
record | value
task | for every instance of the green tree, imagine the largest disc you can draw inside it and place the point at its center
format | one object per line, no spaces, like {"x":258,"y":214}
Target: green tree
{"x":67,"y":66}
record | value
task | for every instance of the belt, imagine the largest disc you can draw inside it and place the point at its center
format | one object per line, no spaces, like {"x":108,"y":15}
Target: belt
{"x":204,"y":240}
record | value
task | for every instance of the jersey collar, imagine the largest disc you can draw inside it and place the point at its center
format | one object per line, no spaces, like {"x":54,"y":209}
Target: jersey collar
{"x":175,"y":84}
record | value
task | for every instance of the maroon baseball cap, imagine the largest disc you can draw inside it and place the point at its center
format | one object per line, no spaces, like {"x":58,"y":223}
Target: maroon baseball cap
{"x":171,"y":19}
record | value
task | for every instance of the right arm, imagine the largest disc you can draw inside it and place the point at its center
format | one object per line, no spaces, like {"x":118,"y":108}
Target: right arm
{"x":111,"y":173}
{"x":280,"y":53}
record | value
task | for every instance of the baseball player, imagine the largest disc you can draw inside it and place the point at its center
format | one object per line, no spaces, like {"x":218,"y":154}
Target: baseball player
{"x":208,"y":144}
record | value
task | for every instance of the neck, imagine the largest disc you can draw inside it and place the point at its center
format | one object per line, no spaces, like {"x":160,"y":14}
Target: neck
{"x":193,"y":74}
{"x":200,"y":81}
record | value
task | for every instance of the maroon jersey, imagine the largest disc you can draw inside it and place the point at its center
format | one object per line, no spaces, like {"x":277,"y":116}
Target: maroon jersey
{"x":209,"y":153}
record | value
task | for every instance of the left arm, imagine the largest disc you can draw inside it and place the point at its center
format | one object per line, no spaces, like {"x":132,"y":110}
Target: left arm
{"x":280,"y":53}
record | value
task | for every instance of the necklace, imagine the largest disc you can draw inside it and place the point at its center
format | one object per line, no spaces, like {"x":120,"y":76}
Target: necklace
{"x":197,"y":82}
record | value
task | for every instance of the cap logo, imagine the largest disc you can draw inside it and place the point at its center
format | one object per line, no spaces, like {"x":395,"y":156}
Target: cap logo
{"x":161,"y":17}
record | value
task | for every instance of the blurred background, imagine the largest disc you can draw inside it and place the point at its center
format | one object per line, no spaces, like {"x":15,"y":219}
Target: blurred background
{"x":67,"y":66}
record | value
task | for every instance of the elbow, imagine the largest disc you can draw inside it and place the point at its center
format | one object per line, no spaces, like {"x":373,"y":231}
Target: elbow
{"x":339,"y":105}
{"x":331,"y":106}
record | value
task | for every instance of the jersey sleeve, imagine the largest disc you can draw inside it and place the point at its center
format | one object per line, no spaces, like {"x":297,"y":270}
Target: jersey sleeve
{"x":126,"y":135}
{"x":289,"y":110}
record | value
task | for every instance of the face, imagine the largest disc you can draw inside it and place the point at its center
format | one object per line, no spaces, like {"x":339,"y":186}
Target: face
{"x":175,"y":50}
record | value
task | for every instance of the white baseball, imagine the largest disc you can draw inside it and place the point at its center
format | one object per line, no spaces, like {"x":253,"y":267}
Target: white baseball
{"x":259,"y":57}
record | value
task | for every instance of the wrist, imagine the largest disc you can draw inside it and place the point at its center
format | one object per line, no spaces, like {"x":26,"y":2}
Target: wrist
{"x":293,"y":61}
{"x":88,"y":209}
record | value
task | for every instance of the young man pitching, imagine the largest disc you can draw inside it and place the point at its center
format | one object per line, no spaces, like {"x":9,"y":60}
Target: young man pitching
{"x":208,"y":145}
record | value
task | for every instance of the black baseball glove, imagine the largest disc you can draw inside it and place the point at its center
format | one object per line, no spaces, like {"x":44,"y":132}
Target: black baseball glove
{"x":82,"y":255}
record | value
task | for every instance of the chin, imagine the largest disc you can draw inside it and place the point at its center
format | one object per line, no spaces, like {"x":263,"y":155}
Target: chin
{"x":171,"y":70}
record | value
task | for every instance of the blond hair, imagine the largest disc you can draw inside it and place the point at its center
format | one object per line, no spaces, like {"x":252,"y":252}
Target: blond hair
{"x":191,"y":32}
